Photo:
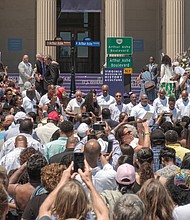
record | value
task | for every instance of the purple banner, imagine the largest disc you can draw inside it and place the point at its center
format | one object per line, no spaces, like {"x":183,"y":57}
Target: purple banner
{"x":114,"y":78}
{"x":81,"y":5}
{"x":86,"y":82}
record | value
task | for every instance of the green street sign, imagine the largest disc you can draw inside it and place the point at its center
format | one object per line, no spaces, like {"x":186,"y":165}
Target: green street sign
{"x":119,"y":62}
{"x":120,"y":45}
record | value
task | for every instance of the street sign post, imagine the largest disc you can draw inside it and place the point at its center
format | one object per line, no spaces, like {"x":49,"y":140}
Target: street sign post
{"x":120,"y":45}
{"x":87,"y":43}
{"x":58,"y":43}
{"x":119,"y":62}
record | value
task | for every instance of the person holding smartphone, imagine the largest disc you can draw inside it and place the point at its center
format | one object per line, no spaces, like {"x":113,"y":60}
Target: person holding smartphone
{"x":70,"y":190}
{"x":90,"y":104}
{"x":102,"y":178}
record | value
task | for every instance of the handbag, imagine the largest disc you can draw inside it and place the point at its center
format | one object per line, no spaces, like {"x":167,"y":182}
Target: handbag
{"x":149,"y":85}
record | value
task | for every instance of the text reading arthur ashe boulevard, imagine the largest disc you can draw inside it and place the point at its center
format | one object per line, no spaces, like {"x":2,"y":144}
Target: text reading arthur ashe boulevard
{"x":123,"y":45}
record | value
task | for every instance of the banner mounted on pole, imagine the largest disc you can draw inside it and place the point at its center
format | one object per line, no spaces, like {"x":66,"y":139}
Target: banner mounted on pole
{"x":80,"y":5}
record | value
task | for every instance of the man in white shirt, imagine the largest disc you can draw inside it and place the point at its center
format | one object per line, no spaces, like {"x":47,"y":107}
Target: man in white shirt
{"x":105,"y":100}
{"x":25,"y":72}
{"x":118,"y":107}
{"x":102,"y":178}
{"x":140,"y":110}
{"x":28,"y":85}
{"x":26,"y":128}
{"x":11,"y":160}
{"x":45,"y":99}
{"x":175,"y":113}
{"x":29,"y":103}
{"x":45,"y":132}
{"x":183,"y":104}
{"x":74,"y":104}
{"x":161,"y":102}
{"x":133,"y":102}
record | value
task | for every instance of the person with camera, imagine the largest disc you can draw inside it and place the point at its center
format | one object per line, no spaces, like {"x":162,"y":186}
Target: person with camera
{"x":69,"y":193}
{"x":102,"y":178}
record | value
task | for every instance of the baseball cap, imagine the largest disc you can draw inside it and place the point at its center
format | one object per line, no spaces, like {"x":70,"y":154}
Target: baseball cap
{"x":157,"y":136}
{"x":27,"y":85}
{"x":82,"y":129}
{"x":61,"y":93}
{"x":19,"y":116}
{"x":125,"y":174}
{"x":53,"y":116}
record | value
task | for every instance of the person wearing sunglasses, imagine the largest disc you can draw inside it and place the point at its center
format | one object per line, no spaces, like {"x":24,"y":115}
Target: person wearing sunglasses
{"x":118,"y":107}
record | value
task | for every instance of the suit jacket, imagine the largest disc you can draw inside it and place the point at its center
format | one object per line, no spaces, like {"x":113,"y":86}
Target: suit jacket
{"x":25,"y":71}
{"x":154,"y":70}
{"x":51,"y":75}
{"x":38,"y":66}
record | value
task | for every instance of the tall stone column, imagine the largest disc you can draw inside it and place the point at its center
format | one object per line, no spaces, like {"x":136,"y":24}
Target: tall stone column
{"x":46,"y":26}
{"x":174,"y":31}
{"x":114,"y":19}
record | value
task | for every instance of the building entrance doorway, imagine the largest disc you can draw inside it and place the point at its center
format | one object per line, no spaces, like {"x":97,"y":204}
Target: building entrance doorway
{"x":78,"y":26}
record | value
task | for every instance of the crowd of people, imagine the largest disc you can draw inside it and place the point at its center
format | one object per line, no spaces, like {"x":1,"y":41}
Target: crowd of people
{"x":94,"y":157}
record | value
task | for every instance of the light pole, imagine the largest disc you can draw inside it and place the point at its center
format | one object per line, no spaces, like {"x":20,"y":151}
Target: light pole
{"x":72,"y":85}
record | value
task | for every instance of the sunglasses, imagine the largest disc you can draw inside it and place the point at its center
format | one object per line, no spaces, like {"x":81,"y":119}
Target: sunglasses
{"x":127,"y":133}
{"x":118,"y":96}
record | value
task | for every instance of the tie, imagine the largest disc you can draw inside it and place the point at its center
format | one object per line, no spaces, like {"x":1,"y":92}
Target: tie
{"x":43,"y":70}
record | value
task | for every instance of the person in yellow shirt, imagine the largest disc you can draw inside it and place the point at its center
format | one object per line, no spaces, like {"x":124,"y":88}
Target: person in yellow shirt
{"x":171,"y":138}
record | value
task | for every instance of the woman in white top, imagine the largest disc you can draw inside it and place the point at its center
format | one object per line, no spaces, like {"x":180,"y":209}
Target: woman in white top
{"x":166,"y":73}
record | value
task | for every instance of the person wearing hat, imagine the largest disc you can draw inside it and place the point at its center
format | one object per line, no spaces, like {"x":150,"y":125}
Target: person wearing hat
{"x":157,"y":139}
{"x":27,"y":86}
{"x":45,"y":132}
{"x":178,"y":70}
{"x":125,"y":178}
{"x":14,"y":128}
